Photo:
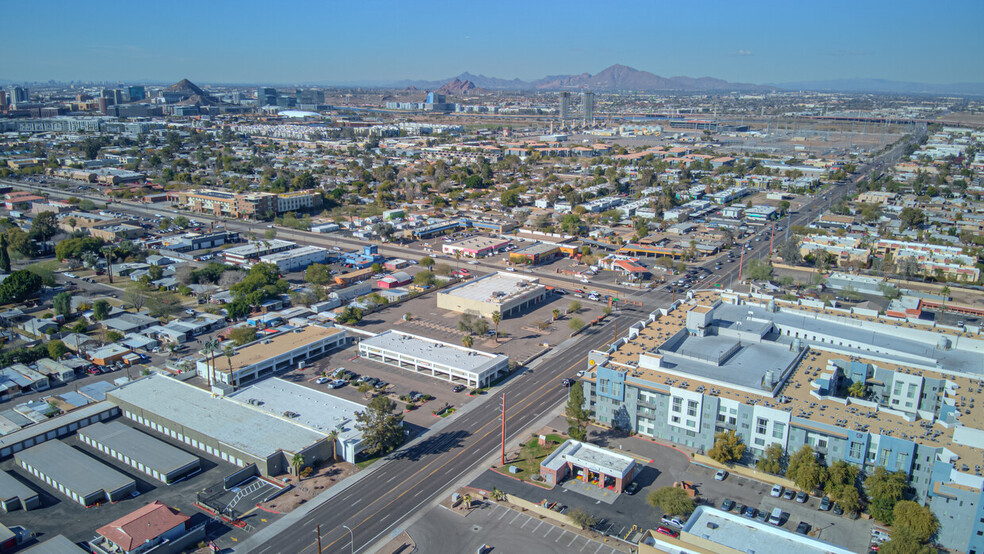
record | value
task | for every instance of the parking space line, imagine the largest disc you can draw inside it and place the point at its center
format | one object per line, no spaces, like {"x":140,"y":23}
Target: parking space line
{"x":562,"y":533}
{"x":505,"y":512}
{"x":549,"y":529}
{"x":515,"y":518}
{"x":599,"y":548}
{"x":528,"y":519}
{"x":586,"y":543}
{"x":572,"y":540}
{"x":537,"y":527}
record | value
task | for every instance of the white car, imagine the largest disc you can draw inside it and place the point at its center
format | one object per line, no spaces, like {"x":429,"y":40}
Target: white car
{"x":721,"y":475}
{"x":667,"y":520}
{"x":776,"y":491}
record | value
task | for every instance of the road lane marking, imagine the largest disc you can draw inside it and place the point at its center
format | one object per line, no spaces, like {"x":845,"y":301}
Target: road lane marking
{"x":528,"y":519}
{"x":562,"y":533}
{"x":515,"y":518}
{"x":537,"y":527}
{"x":599,"y":548}
{"x":549,"y":529}
{"x":504,"y":513}
{"x":572,"y":540}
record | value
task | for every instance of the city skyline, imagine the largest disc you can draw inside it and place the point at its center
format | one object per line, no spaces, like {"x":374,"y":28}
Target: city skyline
{"x":762,"y":43}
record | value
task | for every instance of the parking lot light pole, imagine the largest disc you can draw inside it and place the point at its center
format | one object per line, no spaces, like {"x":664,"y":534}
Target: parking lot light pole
{"x":352,"y":535}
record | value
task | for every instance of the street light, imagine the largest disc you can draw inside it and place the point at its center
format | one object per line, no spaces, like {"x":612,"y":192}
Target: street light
{"x":353,"y":537}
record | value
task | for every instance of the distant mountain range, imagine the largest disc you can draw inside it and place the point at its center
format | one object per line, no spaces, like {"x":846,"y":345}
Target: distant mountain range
{"x":612,"y":79}
{"x":884,"y":86}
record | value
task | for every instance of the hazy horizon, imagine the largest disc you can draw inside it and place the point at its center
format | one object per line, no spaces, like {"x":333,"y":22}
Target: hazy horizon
{"x":384,"y":42}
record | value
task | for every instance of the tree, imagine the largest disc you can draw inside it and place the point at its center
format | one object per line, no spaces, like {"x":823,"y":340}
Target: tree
{"x":295,"y":465}
{"x":842,"y":485}
{"x":317,"y":274}
{"x":62,"y":303}
{"x":270,"y":234}
{"x":100,"y":310}
{"x":44,"y":226}
{"x":805,"y":470}
{"x":333,"y":436}
{"x":76,"y":248}
{"x":424,"y":278}
{"x":574,"y":307}
{"x":443,"y":270}
{"x":44,"y":270}
{"x":163,"y":305}
{"x":19,"y":286}
{"x":467,"y":341}
{"x":243,"y":334}
{"x":229,"y":352}
{"x":858,"y":389}
{"x":114,"y":336}
{"x":577,"y":416}
{"x":903,"y":543}
{"x":575,"y":324}
{"x":582,"y":519}
{"x":4,"y":254}
{"x":671,"y":500}
{"x":771,"y":460}
{"x":915,"y":521}
{"x":885,"y":489}
{"x":20,"y":242}
{"x":496,"y":319}
{"x":911,"y":218}
{"x":728,"y":447}
{"x":427,"y":262}
{"x":365,"y":389}
{"x":57,"y":349}
{"x":757,"y":270}
{"x":382,"y":430}
{"x":790,"y":251}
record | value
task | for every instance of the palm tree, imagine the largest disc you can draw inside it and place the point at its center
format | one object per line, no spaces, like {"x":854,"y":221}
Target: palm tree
{"x":332,"y":436}
{"x":496,"y":318}
{"x":229,"y":352}
{"x":945,"y":292}
{"x":467,"y":341}
{"x":556,"y":314}
{"x":295,"y":465}
{"x":207,"y":350}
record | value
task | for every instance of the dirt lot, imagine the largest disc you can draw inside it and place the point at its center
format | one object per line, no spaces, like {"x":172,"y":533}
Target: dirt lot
{"x":309,"y":487}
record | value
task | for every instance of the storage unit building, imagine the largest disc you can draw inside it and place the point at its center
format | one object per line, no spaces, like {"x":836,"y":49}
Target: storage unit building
{"x":74,"y":474}
{"x":140,"y":451}
{"x":15,"y":495}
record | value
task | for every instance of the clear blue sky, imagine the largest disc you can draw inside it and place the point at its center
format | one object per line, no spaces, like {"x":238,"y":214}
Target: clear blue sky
{"x":218,"y":41}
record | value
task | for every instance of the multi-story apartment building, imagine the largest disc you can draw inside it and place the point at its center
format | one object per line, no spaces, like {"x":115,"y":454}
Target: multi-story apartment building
{"x":229,"y":204}
{"x":778,"y":372}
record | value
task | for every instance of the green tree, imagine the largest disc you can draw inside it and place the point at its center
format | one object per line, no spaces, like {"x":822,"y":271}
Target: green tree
{"x":582,"y":519}
{"x":577,"y":416}
{"x":57,"y":349}
{"x":496,"y":320}
{"x":381,"y":428}
{"x":911,"y":218}
{"x":915,"y":521}
{"x":20,"y":242}
{"x":77,"y":248}
{"x":443,"y":270}
{"x":728,"y":447}
{"x":555,"y":314}
{"x":858,"y":389}
{"x":424,"y":278}
{"x":317,"y":274}
{"x":757,"y":270}
{"x":114,"y":336}
{"x":771,"y":460}
{"x":842,"y":485}
{"x":244,"y":334}
{"x":19,"y":286}
{"x":427,"y":262}
{"x":62,"y":303}
{"x":904,"y":543}
{"x":180,"y":221}
{"x":44,"y":226}
{"x":4,"y":254}
{"x":790,"y":251}
{"x":884,"y":489}
{"x":574,"y":307}
{"x":575,"y":324}
{"x":100,"y":310}
{"x":270,"y":234}
{"x":44,"y":270}
{"x":296,"y":462}
{"x":805,"y":470}
{"x":163,"y":305}
{"x":467,"y":341}
{"x":671,"y":500}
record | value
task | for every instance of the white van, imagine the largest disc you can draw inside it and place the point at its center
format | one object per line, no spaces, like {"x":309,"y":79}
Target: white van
{"x":776,"y":517}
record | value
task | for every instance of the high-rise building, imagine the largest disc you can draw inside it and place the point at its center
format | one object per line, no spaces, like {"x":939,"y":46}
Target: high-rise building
{"x":587,"y":105}
{"x":18,"y":94}
{"x":118,"y":96}
{"x":565,"y":105}
{"x":137,"y":92}
{"x":266,"y":96}
{"x":3,"y":99}
{"x":310,"y":96}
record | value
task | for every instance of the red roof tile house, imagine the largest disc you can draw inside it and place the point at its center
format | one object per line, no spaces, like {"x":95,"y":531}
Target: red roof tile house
{"x":142,"y":529}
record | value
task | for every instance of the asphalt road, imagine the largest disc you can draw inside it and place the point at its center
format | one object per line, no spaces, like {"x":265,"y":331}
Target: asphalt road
{"x":412,"y":478}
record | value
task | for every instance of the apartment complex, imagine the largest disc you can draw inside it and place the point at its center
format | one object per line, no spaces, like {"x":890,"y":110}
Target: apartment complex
{"x":778,"y":372}
{"x":251,"y":205}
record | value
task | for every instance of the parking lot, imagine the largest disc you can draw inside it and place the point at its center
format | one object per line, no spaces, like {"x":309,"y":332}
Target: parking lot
{"x":60,"y":515}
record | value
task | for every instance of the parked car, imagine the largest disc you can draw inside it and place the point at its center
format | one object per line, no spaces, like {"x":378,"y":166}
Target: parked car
{"x":727,"y":505}
{"x":668,"y":520}
{"x":750,"y":512}
{"x":667,"y":531}
{"x":824,"y":504}
{"x":323,"y":380}
{"x":776,"y":491}
{"x":567,"y":382}
{"x":721,"y":475}
{"x":338,"y":383}
{"x":458,"y":388}
{"x":789,"y":494}
{"x":802,"y":497}
{"x":803,"y":528}
{"x":632,"y":488}
{"x":838,"y":510}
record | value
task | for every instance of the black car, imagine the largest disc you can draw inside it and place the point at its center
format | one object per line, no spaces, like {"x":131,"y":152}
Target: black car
{"x":803,"y":528}
{"x":838,"y":510}
{"x":632,"y":488}
{"x":727,"y":505}
{"x":458,"y":388}
{"x":567,"y":382}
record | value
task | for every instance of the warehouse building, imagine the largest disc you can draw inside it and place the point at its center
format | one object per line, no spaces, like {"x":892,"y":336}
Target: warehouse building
{"x":233,"y":431}
{"x":56,"y":427}
{"x":265,"y":357}
{"x":143,"y":452}
{"x":505,"y":293}
{"x":475,"y":247}
{"x":74,"y":474}
{"x":441,"y":360}
{"x":15,"y":495}
{"x":242,"y":255}
{"x":296,"y":259}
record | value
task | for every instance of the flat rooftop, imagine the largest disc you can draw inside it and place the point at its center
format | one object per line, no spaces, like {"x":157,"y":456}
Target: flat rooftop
{"x":73,"y":469}
{"x":592,"y":457}
{"x":746,"y":367}
{"x":244,"y":427}
{"x":10,"y":487}
{"x":138,"y":446}
{"x":293,"y":253}
{"x":280,"y":344}
{"x":318,"y":410}
{"x":435,"y":351}
{"x":746,"y":535}
{"x":478,"y":243}
{"x":254,"y":248}
{"x":496,"y":288}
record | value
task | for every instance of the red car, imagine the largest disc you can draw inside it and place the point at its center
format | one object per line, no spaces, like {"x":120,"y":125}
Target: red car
{"x":667,"y":531}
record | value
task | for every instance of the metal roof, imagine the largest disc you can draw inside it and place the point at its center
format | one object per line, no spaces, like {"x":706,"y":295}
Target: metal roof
{"x":137,"y":446}
{"x":73,"y":469}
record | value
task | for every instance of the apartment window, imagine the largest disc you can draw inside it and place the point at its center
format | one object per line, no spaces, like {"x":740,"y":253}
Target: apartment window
{"x":856,"y":449}
{"x":675,"y":419}
{"x":691,"y":408}
{"x":677,"y":404}
{"x":912,"y":391}
{"x":759,"y":442}
{"x":898,"y":389}
{"x":821,"y":443}
{"x":778,"y":430}
{"x":884,"y":455}
{"x":762,"y":426}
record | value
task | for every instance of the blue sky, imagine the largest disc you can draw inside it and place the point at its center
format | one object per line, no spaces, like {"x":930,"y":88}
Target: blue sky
{"x":217,"y":41}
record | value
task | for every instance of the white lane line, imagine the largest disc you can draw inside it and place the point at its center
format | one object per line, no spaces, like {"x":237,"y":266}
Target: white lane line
{"x":549,"y":529}
{"x":586,"y":544}
{"x":528,"y":519}
{"x":562,"y":533}
{"x":572,"y":540}
{"x":515,"y":518}
{"x":505,"y":512}
{"x":537,"y":527}
{"x":599,"y":548}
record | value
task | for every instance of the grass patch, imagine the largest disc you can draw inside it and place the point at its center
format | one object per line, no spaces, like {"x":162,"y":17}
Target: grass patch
{"x":367,"y":462}
{"x":529,"y":468}
{"x":447,"y":412}
{"x":555,"y":438}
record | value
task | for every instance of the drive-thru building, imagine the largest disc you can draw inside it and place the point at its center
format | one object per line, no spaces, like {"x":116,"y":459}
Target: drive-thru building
{"x":589,"y":463}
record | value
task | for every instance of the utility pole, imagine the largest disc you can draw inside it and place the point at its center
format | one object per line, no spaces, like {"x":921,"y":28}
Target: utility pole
{"x":741,"y":262}
{"x":319,"y":538}
{"x":772,"y":238}
{"x":502,"y":455}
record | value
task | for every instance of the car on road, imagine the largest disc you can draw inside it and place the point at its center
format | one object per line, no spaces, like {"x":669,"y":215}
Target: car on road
{"x":802,"y":497}
{"x":721,"y":475}
{"x":789,"y":494}
{"x":567,"y":382}
{"x":632,"y":488}
{"x":727,"y":505}
{"x":667,"y":531}
{"x":803,"y":528}
{"x":776,"y":491}
{"x":458,"y":388}
{"x":824,"y":504}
